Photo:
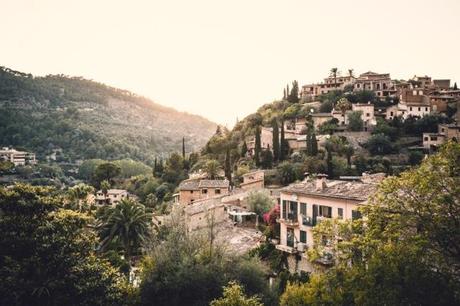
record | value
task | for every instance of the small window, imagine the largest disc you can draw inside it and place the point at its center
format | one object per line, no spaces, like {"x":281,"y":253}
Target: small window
{"x":191,"y":191}
{"x":434,"y":138}
{"x":340,"y":213}
{"x":410,"y":108}
{"x":368,"y":115}
{"x":303,"y":209}
{"x":355,"y":215}
{"x":426,"y":108}
{"x":303,"y":236}
{"x":204,"y":191}
{"x":425,"y":139}
{"x":419,"y":109}
{"x":217,"y":191}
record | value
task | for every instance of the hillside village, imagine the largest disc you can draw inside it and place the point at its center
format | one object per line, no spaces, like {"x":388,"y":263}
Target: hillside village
{"x":270,"y":188}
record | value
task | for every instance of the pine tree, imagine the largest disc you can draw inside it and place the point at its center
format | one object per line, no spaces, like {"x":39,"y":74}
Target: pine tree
{"x":276,"y":140}
{"x":257,"y":147}
{"x":244,"y":149}
{"x":282,"y":155}
{"x":227,"y":166}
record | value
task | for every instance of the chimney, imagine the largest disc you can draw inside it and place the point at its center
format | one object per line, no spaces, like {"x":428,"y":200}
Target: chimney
{"x":321,"y":181}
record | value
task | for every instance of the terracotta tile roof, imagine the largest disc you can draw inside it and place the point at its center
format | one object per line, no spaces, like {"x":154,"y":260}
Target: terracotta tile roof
{"x":189,"y":184}
{"x":353,"y":190}
{"x":214,"y":184}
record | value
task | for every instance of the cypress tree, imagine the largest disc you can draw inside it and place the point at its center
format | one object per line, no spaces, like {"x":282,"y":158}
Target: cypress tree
{"x":455,"y":86}
{"x":314,"y":144}
{"x":293,"y":95}
{"x":227,"y":166}
{"x":276,"y":140}
{"x":282,"y":154}
{"x":183,"y":148}
{"x":308,"y":143}
{"x":244,"y":149}
{"x":257,"y":147}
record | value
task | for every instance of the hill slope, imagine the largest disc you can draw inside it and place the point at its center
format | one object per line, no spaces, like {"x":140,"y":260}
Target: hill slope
{"x":87,"y":119}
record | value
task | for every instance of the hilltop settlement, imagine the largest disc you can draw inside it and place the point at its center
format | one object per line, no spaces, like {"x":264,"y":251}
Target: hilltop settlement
{"x":312,"y":186}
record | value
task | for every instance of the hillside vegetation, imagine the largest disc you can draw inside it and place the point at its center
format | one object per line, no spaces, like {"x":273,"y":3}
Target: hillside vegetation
{"x":85,"y":119}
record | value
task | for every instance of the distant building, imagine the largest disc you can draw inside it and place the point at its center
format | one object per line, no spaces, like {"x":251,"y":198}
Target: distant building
{"x":205,"y":213}
{"x":445,"y":132}
{"x":112,"y":197}
{"x":305,"y":204}
{"x":380,"y":83}
{"x":312,"y":91}
{"x":253,"y":180}
{"x":18,"y":158}
{"x":192,"y":190}
{"x":266,"y":140}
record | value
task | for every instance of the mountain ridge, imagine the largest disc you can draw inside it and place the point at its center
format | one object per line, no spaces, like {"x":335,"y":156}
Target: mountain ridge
{"x":73,"y":106}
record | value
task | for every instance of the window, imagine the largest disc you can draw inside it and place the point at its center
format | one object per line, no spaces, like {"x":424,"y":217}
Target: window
{"x":355,"y":214}
{"x":340,"y":213}
{"x":303,"y":209}
{"x":410,"y":108}
{"x":204,"y":191}
{"x":419,"y":109}
{"x":191,"y":191}
{"x":368,"y":115}
{"x":426,"y":138}
{"x":325,"y":211}
{"x":426,"y":108}
{"x":391,"y":113}
{"x":303,"y":236}
{"x":433,"y":138}
{"x":217,"y":191}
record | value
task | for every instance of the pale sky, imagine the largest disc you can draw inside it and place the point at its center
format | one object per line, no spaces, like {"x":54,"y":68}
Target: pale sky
{"x":224,"y":59}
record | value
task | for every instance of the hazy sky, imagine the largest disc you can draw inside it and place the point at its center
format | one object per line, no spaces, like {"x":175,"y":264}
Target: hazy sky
{"x":224,"y":59}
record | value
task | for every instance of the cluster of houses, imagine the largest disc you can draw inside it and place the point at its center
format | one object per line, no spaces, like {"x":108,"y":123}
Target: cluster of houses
{"x":417,"y":97}
{"x":301,"y":205}
{"x":18,"y":158}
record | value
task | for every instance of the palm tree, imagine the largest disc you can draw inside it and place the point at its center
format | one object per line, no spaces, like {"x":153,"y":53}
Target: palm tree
{"x":350,"y":72}
{"x":105,"y":186}
{"x":334,"y":74}
{"x":212,"y":168}
{"x":343,"y":105}
{"x":127,"y":223}
{"x":79,"y":193}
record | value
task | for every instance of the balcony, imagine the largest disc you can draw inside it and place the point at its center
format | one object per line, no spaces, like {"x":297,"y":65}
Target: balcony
{"x":290,"y":220}
{"x":287,"y":249}
{"x":307,"y":221}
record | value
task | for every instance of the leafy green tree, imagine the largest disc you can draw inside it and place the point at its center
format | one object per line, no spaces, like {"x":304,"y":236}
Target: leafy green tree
{"x":87,"y":168}
{"x":130,"y":168}
{"x":174,"y":169}
{"x":234,"y":296}
{"x":127,"y":223}
{"x":259,"y":202}
{"x":6,"y":166}
{"x":266,"y":159}
{"x":184,"y":269}
{"x":349,"y":151}
{"x":379,"y":145}
{"x":355,"y":123}
{"x":383,"y":127}
{"x":105,"y":172}
{"x":47,"y":255}
{"x":286,"y":173}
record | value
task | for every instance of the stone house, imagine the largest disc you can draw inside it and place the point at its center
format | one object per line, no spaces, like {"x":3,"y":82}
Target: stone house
{"x":18,"y":158}
{"x":112,"y":197}
{"x":192,"y":190}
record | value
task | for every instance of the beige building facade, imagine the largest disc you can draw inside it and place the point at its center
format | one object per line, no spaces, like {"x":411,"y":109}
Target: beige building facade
{"x":305,"y":204}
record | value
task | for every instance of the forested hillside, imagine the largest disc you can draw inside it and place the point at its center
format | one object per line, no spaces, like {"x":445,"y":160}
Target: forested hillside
{"x":83,"y":119}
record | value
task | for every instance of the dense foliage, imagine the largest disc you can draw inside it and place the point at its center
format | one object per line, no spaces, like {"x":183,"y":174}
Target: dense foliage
{"x":47,"y":254}
{"x":83,"y":119}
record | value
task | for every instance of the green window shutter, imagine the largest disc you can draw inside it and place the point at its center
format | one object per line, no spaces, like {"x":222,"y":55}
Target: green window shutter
{"x":303,"y":236}
{"x":303,"y":209}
